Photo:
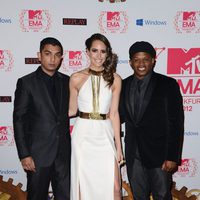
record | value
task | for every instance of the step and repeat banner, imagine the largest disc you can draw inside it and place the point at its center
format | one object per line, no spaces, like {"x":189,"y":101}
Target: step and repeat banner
{"x":173,"y":28}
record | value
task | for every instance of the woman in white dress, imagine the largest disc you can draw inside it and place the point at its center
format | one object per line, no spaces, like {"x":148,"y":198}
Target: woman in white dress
{"x":96,"y":143}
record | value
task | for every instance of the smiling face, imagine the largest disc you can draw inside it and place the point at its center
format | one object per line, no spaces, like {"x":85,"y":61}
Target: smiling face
{"x":50,"y":58}
{"x":97,"y":54}
{"x":142,"y":63}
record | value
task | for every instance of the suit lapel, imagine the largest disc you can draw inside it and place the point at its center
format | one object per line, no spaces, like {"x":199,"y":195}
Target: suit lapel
{"x":128,"y":96}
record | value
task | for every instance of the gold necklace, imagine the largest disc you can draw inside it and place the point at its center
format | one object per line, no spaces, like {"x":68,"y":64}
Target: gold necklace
{"x":96,"y":73}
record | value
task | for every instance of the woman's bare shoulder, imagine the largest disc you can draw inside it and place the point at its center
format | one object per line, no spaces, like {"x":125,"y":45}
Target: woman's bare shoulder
{"x":80,"y":74}
{"x":78,"y":78}
{"x":117,"y":82}
{"x":117,"y":77}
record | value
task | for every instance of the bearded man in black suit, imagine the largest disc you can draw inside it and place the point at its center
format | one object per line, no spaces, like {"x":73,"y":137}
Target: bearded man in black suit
{"x":41,"y":125}
{"x":151,"y":107}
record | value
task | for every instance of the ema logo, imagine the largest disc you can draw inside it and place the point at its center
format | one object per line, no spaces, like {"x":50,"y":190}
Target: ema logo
{"x":188,"y":168}
{"x":142,"y":22}
{"x":187,"y":22}
{"x":74,"y":21}
{"x":5,"y":21}
{"x":6,"y":136}
{"x":113,"y":1}
{"x":6,"y":60}
{"x":35,"y":20}
{"x":74,"y":61}
{"x":113,"y":22}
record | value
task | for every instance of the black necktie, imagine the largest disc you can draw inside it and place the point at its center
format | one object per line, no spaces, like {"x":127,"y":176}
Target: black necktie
{"x":137,"y":98}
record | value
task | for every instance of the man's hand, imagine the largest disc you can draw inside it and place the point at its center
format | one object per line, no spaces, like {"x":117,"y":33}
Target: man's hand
{"x":28,"y":164}
{"x":169,"y":166}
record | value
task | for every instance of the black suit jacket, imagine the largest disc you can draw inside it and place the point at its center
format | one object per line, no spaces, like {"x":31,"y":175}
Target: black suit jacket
{"x":39,"y":130}
{"x":160,"y":127}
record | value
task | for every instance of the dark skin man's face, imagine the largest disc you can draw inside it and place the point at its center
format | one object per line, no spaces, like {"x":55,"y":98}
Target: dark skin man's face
{"x":142,"y":63}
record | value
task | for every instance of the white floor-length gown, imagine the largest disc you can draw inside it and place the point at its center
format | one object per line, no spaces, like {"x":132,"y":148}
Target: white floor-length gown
{"x":93,"y":149}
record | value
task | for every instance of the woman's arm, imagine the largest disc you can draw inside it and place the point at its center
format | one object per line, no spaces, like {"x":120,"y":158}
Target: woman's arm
{"x":114,"y":115}
{"x":73,"y":105}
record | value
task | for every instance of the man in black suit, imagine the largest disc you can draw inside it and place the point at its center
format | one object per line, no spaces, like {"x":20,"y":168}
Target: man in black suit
{"x":151,"y":107}
{"x":41,"y":125}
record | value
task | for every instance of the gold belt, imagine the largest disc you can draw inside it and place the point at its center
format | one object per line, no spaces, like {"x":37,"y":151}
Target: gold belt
{"x":96,"y":116}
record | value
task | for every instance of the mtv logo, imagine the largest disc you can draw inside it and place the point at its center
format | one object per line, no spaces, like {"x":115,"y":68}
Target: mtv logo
{"x":113,"y":16}
{"x":75,"y":55}
{"x":71,"y":128}
{"x":182,"y":61}
{"x":189,"y":15}
{"x":185,"y":162}
{"x":1,"y":54}
{"x":34,"y":14}
{"x":3,"y":130}
{"x":139,"y":22}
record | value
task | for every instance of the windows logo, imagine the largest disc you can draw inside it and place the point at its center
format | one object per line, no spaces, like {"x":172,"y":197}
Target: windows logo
{"x":139,"y":22}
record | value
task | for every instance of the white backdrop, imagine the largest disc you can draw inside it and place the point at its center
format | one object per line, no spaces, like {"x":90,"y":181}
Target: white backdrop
{"x":173,"y":27}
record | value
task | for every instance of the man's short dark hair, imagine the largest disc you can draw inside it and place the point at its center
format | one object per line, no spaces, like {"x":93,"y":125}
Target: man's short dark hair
{"x":52,"y":41}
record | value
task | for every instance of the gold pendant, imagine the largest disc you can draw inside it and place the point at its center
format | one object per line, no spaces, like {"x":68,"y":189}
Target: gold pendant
{"x":95,"y":115}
